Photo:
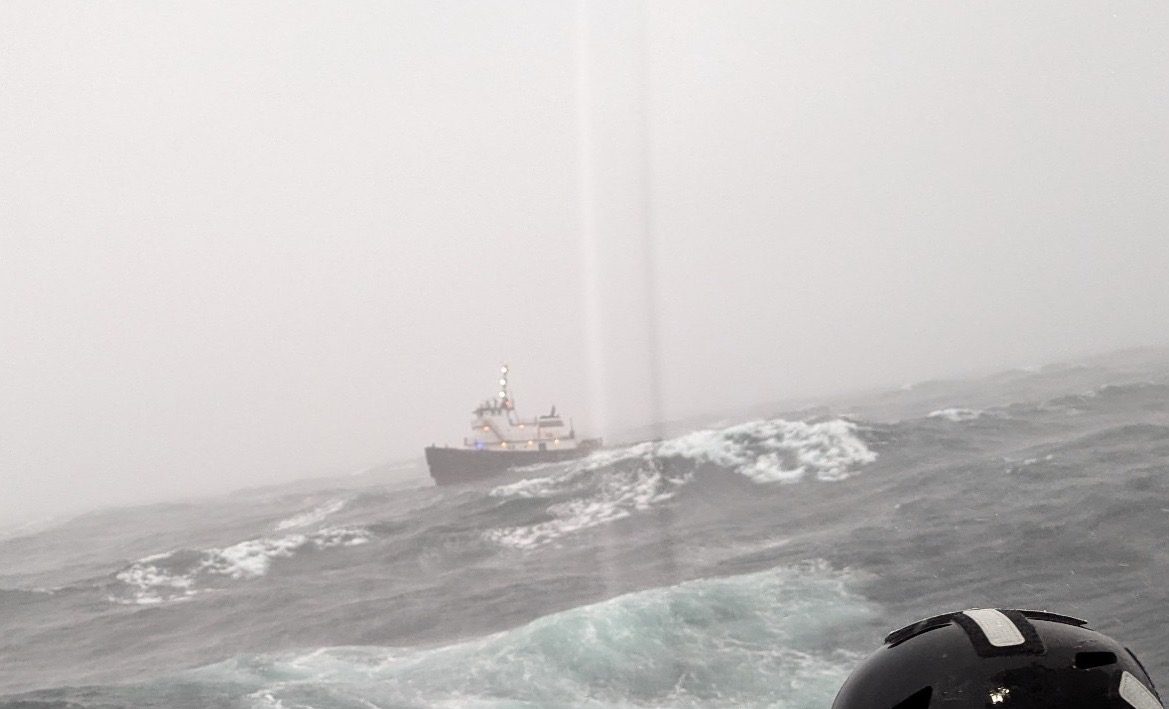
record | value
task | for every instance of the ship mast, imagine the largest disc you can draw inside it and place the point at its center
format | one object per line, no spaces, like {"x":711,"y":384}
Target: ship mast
{"x":505,"y":400}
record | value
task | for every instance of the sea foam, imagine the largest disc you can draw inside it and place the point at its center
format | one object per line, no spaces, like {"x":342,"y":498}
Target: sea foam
{"x":771,"y":638}
{"x":177,"y":575}
{"x":957,"y":415}
{"x":618,"y":495}
{"x":614,"y":484}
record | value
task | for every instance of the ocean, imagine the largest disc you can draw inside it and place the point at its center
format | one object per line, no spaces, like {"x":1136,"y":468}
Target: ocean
{"x":748,"y":562}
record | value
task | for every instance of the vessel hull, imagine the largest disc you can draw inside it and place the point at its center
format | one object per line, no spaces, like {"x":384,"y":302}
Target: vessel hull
{"x":451,"y":466}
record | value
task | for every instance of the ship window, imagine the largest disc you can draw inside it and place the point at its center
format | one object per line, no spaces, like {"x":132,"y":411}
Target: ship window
{"x":551,"y":424}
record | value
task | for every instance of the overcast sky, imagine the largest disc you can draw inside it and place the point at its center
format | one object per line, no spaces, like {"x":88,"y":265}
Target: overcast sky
{"x":246,"y":242}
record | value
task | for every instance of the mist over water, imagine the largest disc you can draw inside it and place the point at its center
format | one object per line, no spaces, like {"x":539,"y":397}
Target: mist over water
{"x":749,"y":564}
{"x":300,"y":244}
{"x":250,"y":253}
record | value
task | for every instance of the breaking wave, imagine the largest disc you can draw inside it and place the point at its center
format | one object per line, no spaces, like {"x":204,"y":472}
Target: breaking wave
{"x":178,"y":575}
{"x":614,"y":484}
{"x":618,"y":495}
{"x":770,"y":638}
{"x":765,"y":451}
{"x":777,"y":450}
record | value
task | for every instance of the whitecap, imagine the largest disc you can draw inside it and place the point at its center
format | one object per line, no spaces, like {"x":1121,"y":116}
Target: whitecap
{"x":1015,"y":466}
{"x":773,"y":450}
{"x":530,"y":487}
{"x":176,"y":575}
{"x":313,"y":516}
{"x":150,"y":584}
{"x":957,"y":415}
{"x":603,"y":490}
{"x":620,"y":494}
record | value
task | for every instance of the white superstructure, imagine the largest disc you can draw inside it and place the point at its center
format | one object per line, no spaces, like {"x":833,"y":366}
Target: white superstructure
{"x":496,"y":426}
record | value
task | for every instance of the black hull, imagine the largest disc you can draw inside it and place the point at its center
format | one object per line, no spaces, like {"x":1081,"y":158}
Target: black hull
{"x":451,"y":466}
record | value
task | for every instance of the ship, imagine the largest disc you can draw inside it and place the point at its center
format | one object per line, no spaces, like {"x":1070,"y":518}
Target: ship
{"x":502,"y":440}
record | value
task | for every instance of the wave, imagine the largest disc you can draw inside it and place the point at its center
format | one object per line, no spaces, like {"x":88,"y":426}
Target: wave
{"x":33,"y":527}
{"x":957,"y":415}
{"x":313,"y":516}
{"x":771,"y":638}
{"x":765,"y":451}
{"x":776,"y":450}
{"x":13,"y":597}
{"x":180,"y":574}
{"x":1014,"y":466}
{"x":618,"y":495}
{"x":614,"y":484}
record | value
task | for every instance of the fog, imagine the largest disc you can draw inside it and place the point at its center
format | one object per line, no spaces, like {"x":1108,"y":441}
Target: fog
{"x":242,"y":243}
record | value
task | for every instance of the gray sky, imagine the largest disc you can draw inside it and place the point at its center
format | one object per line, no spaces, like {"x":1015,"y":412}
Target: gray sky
{"x":244,"y":242}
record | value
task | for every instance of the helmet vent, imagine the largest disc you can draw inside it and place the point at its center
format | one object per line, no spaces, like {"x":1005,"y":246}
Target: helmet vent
{"x":918,"y":700}
{"x":1088,"y":660}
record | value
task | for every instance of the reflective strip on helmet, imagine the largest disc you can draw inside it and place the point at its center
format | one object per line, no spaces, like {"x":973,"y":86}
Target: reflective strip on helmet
{"x":1133,"y":691}
{"x":999,"y":630}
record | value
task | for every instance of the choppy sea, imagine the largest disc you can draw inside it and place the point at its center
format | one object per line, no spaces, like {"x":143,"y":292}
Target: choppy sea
{"x":748,"y":562}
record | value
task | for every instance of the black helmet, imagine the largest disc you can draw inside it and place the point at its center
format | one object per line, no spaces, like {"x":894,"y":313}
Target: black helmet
{"x":1007,"y":659}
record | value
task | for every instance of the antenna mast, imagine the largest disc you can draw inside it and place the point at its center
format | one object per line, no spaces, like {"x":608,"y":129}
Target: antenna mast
{"x":505,"y":399}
